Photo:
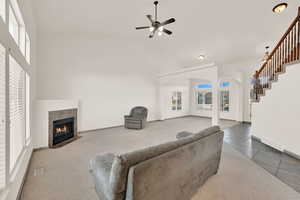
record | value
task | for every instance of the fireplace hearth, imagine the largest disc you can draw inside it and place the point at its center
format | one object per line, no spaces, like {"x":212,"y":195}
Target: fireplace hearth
{"x":62,"y":127}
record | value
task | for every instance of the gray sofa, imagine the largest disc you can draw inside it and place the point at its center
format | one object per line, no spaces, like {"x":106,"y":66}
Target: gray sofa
{"x":137,"y":118}
{"x":170,"y":171}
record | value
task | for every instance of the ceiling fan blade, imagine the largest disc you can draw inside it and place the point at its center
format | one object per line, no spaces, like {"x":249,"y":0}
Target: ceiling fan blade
{"x":150,"y":18}
{"x":167,"y":31}
{"x":169,"y":21}
{"x":152,"y":33}
{"x":142,"y":27}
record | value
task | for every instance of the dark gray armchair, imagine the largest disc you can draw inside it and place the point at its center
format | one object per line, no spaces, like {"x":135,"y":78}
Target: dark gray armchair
{"x":137,"y":118}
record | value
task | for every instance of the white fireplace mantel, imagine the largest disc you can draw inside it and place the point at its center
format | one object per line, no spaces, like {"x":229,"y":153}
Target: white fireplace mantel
{"x":40,"y":126}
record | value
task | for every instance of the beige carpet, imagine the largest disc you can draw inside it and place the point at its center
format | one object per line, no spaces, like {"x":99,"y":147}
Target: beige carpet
{"x":62,"y":174}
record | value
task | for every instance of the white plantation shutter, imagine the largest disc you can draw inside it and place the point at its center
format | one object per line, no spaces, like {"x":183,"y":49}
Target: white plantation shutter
{"x":16,"y":110}
{"x":27,"y":109}
{"x":2,"y":117}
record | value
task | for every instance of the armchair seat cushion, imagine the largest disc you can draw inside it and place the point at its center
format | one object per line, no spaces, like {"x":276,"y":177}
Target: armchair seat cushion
{"x":129,"y":118}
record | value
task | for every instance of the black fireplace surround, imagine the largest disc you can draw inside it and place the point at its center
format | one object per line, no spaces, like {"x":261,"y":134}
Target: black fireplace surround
{"x":63,"y":130}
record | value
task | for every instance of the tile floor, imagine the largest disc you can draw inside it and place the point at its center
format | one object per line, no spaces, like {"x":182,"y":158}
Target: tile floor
{"x":281,"y":165}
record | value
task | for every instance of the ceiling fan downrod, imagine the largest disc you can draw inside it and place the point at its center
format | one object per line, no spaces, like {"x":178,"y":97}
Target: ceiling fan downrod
{"x":156,"y":3}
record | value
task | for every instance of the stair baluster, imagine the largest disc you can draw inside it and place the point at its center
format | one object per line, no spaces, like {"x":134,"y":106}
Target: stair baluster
{"x":285,"y":52}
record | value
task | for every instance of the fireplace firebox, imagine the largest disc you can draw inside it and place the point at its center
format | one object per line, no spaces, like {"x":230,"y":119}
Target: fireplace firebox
{"x":62,"y":127}
{"x":63,"y":130}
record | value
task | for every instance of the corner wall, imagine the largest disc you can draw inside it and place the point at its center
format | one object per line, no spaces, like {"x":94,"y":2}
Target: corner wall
{"x":275,"y":118}
{"x":103,"y":74}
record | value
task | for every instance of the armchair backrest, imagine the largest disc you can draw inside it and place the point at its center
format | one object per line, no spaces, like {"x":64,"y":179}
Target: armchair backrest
{"x":139,"y":112}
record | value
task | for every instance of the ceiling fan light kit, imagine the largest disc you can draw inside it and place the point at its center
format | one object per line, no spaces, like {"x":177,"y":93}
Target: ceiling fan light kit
{"x":157,"y":26}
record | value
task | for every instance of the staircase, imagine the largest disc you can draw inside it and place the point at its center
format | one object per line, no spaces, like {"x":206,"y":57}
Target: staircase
{"x":287,"y":51}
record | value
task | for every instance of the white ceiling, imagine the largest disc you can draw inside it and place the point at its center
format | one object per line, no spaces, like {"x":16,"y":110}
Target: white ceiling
{"x":226,"y":31}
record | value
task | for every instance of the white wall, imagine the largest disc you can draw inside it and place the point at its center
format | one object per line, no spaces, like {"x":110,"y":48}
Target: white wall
{"x":276,"y":117}
{"x":104,"y":75}
{"x":187,"y":77}
{"x":242,"y":72}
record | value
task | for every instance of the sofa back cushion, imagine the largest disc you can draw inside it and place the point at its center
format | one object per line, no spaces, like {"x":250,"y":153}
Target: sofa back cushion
{"x":177,"y":174}
{"x":122,"y":163}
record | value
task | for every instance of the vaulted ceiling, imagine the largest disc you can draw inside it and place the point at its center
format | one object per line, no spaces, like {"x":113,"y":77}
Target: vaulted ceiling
{"x":226,"y":31}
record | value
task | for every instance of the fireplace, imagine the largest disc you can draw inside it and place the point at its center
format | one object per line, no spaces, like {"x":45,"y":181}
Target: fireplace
{"x":63,"y":130}
{"x":62,"y":127}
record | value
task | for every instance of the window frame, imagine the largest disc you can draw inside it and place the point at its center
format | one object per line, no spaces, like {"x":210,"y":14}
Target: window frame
{"x":3,"y":10}
{"x":11,"y":12}
{"x":5,"y":119}
{"x":12,"y":8}
{"x":23,"y":40}
{"x":27,"y":48}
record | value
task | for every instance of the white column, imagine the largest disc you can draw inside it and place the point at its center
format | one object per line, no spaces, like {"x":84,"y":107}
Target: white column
{"x":216,"y":103}
{"x":161,"y":103}
{"x":191,"y":97}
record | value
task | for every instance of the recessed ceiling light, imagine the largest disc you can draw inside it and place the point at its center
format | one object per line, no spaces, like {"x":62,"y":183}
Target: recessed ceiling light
{"x":280,"y":7}
{"x":201,"y":57}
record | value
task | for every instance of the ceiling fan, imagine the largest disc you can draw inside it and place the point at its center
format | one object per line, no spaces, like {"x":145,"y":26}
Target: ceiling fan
{"x":156,"y":25}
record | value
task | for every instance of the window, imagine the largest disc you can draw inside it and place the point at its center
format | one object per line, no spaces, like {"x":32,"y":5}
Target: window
{"x":27,"y":51}
{"x":204,"y":100}
{"x":224,"y":96}
{"x":18,"y":31}
{"x":225,"y":84}
{"x":208,"y":98}
{"x":2,"y":118}
{"x":13,"y":25}
{"x":22,"y":40}
{"x":2,"y":9}
{"x":200,"y":98}
{"x":177,"y":101}
{"x":225,"y":101}
{"x":16,"y":111}
{"x":204,"y":86}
